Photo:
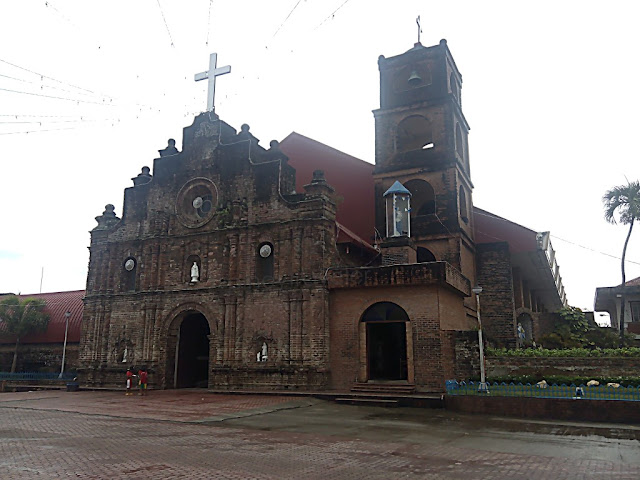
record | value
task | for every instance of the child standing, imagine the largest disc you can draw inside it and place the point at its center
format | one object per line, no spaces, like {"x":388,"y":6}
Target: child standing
{"x":143,"y":381}
{"x":129,"y":381}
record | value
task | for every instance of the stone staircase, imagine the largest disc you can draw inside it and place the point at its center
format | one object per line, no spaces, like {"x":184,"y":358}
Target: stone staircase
{"x":386,"y":388}
{"x":377,"y":394}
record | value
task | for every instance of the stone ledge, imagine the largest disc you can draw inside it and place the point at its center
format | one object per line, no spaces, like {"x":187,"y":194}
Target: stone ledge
{"x":432,"y":273}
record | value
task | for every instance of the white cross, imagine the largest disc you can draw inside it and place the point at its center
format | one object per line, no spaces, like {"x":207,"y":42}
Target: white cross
{"x":211,"y":74}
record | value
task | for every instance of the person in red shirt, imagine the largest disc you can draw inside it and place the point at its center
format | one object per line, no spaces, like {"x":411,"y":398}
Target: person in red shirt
{"x":143,"y":381}
{"x":130,"y":376}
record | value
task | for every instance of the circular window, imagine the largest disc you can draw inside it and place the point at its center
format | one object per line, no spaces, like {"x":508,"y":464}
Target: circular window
{"x":196,"y":202}
{"x":265,"y":251}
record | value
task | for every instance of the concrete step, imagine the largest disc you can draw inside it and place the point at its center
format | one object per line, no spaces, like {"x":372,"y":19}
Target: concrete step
{"x":384,"y":388}
{"x":371,"y":402}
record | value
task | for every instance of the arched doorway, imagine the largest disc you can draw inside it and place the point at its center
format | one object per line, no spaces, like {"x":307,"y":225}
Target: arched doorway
{"x":191,"y":359}
{"x":386,"y":331}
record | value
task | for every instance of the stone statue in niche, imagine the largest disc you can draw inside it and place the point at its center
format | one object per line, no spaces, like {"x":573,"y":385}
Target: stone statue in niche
{"x":195,"y":273}
{"x":521,"y":335}
{"x":125,"y":355}
{"x":261,"y":356}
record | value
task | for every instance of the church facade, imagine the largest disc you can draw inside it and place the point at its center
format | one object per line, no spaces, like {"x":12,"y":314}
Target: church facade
{"x":233,"y":268}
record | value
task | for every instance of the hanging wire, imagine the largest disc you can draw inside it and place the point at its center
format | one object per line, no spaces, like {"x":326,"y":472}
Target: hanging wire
{"x":47,"y":77}
{"x":208,"y":22}
{"x":287,"y":18}
{"x":42,"y":86}
{"x":60,"y":98}
{"x":95,"y":94}
{"x":494,"y":217}
{"x":165,"y":23}
{"x":330,"y":17}
{"x":64,"y":17}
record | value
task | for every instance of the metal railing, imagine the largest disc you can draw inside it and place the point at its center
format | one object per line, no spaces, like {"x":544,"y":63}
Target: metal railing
{"x":600,"y":392}
{"x":37,"y":376}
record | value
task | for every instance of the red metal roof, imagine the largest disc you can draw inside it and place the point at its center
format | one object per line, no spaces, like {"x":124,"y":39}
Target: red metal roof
{"x":351,"y":178}
{"x":490,"y":228}
{"x":633,"y":283}
{"x":58,"y":304}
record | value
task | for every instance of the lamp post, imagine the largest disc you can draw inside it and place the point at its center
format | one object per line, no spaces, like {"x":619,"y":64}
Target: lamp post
{"x":482,"y":387}
{"x":64,"y":347}
{"x":620,"y":296}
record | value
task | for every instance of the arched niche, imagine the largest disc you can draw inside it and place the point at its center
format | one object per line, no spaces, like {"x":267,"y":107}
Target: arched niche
{"x":425,"y":255}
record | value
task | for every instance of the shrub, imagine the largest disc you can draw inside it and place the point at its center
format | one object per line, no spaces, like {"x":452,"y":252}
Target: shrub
{"x":565,"y":352}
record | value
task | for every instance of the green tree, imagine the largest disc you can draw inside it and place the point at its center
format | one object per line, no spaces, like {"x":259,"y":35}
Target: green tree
{"x":21,"y":317}
{"x":625,"y":200}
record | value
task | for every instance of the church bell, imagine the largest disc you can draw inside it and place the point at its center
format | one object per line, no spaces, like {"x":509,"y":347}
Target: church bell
{"x":414,"y":79}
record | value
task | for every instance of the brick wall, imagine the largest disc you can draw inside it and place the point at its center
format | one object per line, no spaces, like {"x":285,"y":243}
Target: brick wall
{"x":161,"y":229}
{"x":433,"y":353}
{"x":595,"y":367}
{"x":496,"y":300}
{"x":606,"y":411}
{"x":39,"y":357}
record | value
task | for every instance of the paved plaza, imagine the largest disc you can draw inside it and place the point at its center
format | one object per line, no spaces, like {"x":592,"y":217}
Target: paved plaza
{"x":197,"y":434}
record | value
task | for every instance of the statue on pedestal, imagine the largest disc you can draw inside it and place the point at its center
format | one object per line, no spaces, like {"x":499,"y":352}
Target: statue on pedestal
{"x":195,"y":273}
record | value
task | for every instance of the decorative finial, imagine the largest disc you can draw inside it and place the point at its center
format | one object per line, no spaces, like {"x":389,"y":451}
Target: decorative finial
{"x":419,"y":28}
{"x":170,"y":150}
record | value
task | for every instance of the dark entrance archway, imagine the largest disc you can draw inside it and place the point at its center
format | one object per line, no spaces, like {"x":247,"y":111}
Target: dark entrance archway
{"x":386,"y":341}
{"x":192,"y":353}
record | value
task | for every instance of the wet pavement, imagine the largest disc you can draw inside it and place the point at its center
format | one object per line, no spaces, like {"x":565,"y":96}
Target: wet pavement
{"x":197,"y":434}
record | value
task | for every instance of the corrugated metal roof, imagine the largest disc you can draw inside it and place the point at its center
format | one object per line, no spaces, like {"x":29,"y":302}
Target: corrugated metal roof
{"x":57,"y":304}
{"x":351,"y":177}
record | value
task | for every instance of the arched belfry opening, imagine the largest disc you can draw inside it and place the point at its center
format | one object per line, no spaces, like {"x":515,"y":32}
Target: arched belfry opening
{"x":386,"y":342}
{"x":188,"y":351}
{"x":423,"y":197}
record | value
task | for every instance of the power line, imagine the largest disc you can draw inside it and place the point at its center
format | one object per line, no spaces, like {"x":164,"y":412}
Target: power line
{"x":16,"y":115}
{"x":332,"y":14}
{"x":38,"y":131}
{"x":165,"y":22}
{"x":495,"y":217}
{"x":287,"y":18}
{"x":79,"y":120}
{"x":95,"y":94}
{"x":595,"y":251}
{"x":22,"y":80}
{"x":208,"y":22}
{"x":58,"y":98}
{"x":46,"y":76}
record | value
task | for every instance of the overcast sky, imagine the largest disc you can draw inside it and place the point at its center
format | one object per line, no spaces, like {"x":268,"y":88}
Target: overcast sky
{"x":549,"y":89}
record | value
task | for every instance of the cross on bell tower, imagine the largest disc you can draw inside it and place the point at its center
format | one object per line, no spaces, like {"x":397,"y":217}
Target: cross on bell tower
{"x":211,"y":75}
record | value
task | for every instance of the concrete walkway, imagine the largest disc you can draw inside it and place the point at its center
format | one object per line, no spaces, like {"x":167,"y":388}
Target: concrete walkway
{"x":196,"y":434}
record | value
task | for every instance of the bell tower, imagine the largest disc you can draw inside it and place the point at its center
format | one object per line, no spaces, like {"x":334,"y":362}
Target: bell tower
{"x":421,"y":141}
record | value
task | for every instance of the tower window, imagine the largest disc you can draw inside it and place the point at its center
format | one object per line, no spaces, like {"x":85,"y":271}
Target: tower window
{"x":453,"y":85}
{"x":423,"y":198}
{"x":459,"y":141}
{"x":264,"y":262}
{"x":414,"y":133}
{"x":129,"y":268}
{"x":464,"y":213}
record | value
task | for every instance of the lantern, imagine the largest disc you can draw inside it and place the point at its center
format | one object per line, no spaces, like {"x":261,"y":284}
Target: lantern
{"x":398,"y":208}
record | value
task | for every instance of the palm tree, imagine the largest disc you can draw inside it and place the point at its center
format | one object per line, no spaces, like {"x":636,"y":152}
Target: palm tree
{"x":624,"y":199}
{"x":21,"y":317}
